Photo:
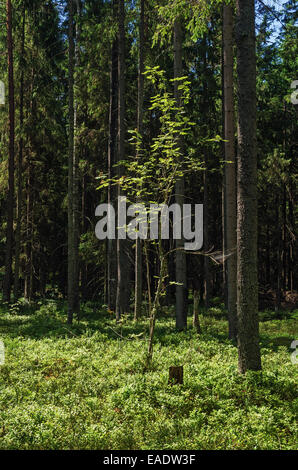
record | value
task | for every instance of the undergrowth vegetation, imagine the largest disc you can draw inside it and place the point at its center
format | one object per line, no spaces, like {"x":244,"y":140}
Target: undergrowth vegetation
{"x":86,"y":386}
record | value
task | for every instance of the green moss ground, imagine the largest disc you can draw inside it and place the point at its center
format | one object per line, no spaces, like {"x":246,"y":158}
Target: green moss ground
{"x":84,"y":387}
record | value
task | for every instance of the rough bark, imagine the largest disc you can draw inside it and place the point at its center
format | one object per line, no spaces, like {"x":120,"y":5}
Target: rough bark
{"x":292,"y":271}
{"x":112,"y":149}
{"x":207,"y":191}
{"x":206,"y":216}
{"x":247,"y":292}
{"x":16,"y":286}
{"x":7,"y":282}
{"x":71,"y":237}
{"x":278,"y":254}
{"x":76,"y":191}
{"x":230,"y":169}
{"x":29,"y":222}
{"x":138,"y":250}
{"x":122,"y":295}
{"x":181,"y":287}
{"x":196,"y":321}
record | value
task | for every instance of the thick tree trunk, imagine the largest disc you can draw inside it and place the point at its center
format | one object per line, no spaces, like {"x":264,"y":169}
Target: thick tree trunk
{"x":230,"y":170}
{"x":247,"y":293}
{"x":7,"y":282}
{"x":181,"y":287}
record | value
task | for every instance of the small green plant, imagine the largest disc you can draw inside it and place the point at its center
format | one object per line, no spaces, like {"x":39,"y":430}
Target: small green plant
{"x":152,"y":176}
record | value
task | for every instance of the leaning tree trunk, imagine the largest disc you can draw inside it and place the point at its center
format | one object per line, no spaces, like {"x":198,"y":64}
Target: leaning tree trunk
{"x":230,"y":170}
{"x":181,"y":287}
{"x":7,"y":282}
{"x":247,"y":292}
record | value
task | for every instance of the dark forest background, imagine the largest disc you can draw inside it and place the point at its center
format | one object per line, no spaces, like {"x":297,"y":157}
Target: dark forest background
{"x":77,"y":89}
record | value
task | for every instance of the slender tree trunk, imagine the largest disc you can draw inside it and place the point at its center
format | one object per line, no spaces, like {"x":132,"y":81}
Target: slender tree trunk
{"x":223,"y":192}
{"x":247,"y":293}
{"x":85,"y":206}
{"x":284,"y":240}
{"x":284,"y":212}
{"x":291,"y":266}
{"x":148,"y":277}
{"x":230,"y":170}
{"x":73,"y":166}
{"x":268,"y":251}
{"x":156,"y":303}
{"x":29,"y":229}
{"x":112,"y":151}
{"x":122,"y":294}
{"x":278,"y":253}
{"x":181,"y":287}
{"x":28,"y":287}
{"x":224,"y":245}
{"x":84,"y":228}
{"x":138,"y":250}
{"x":207,"y":263}
{"x":207,"y":191}
{"x":76,"y":191}
{"x":19,"y":171}
{"x":71,"y":295}
{"x":7,"y":282}
{"x":196,"y":301}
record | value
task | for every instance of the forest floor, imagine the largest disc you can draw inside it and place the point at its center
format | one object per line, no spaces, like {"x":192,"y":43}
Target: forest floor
{"x":85,"y":386}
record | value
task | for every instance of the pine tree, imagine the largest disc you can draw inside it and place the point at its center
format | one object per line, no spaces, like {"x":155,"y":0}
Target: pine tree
{"x":7,"y":283}
{"x":247,"y":294}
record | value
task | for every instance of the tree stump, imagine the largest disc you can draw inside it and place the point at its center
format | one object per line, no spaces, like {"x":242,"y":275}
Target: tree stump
{"x":175,"y":375}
